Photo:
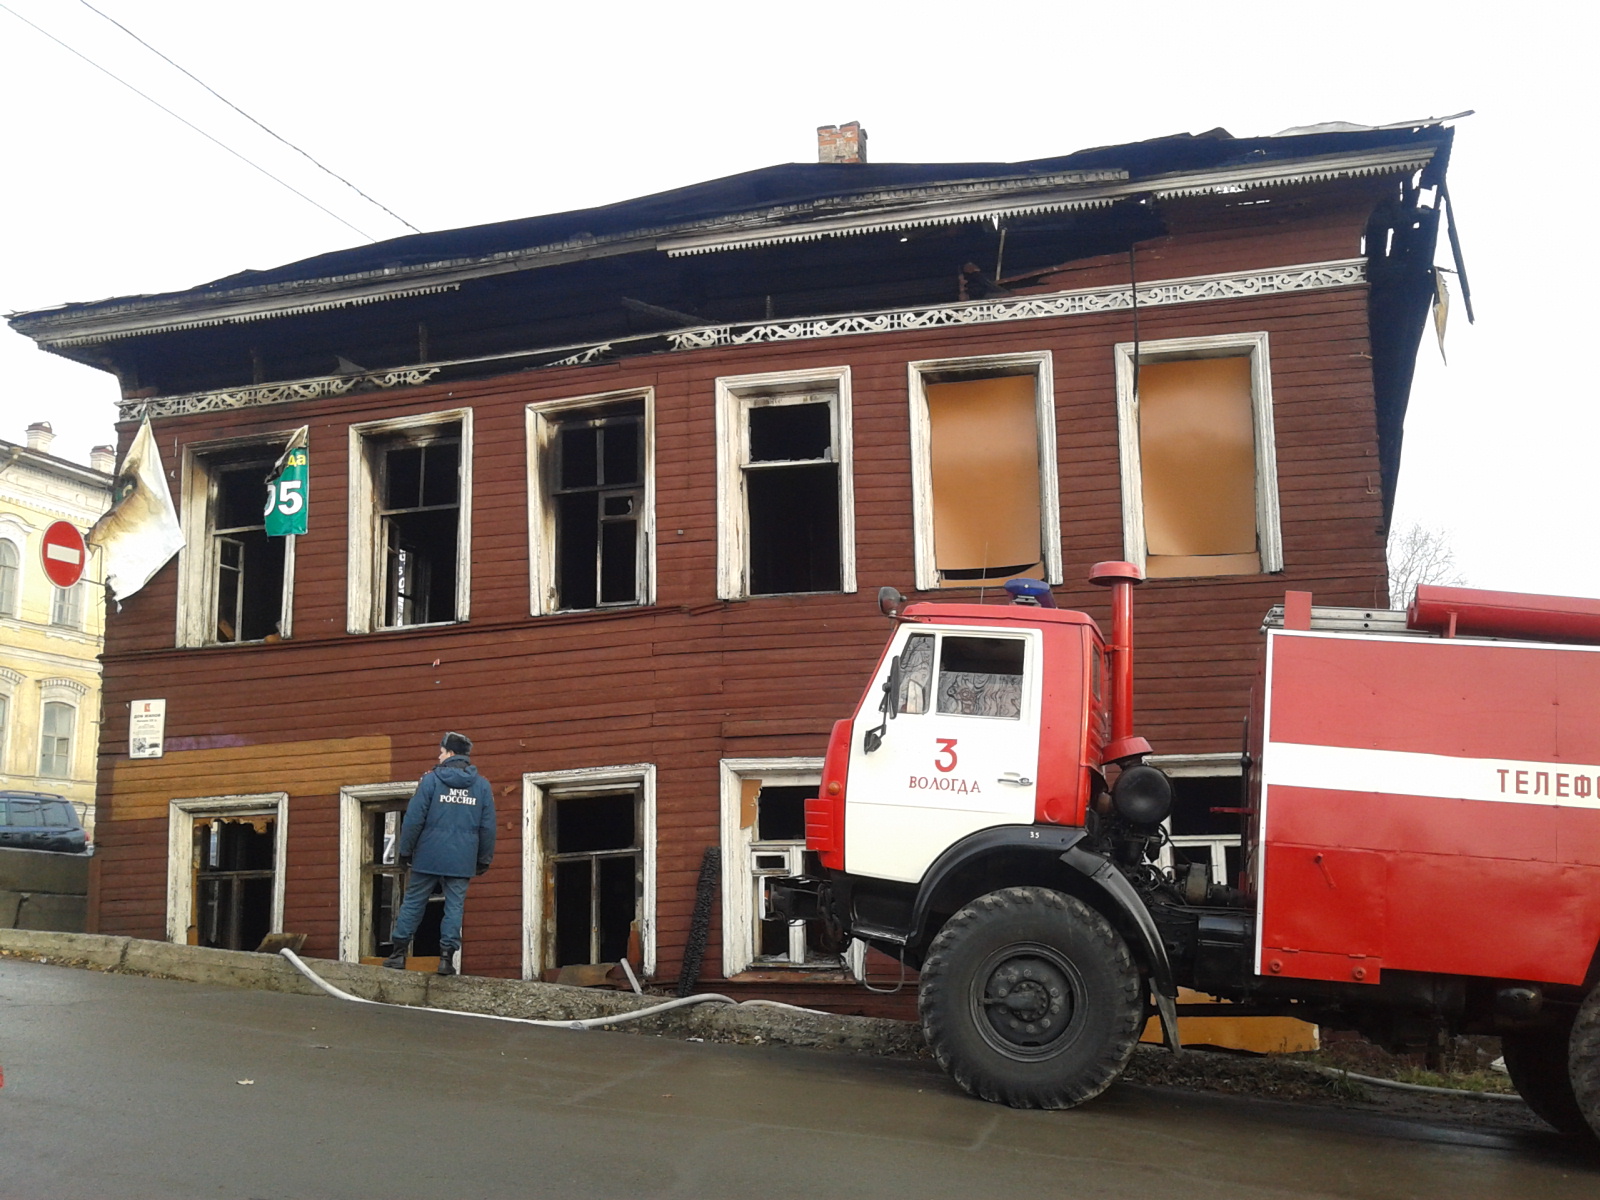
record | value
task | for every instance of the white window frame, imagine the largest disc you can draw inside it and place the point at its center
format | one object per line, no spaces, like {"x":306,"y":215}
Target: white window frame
{"x":9,"y":682}
{"x":71,"y":693}
{"x":18,"y":544}
{"x":536,"y":789}
{"x":181,"y":816}
{"x":738,"y":880}
{"x":543,"y":418}
{"x":1255,"y":346}
{"x":1040,"y":365}
{"x":66,"y":607}
{"x":733,"y":395}
{"x":196,"y":560}
{"x":1200,"y":766}
{"x":352,"y":800}
{"x":363,"y":582}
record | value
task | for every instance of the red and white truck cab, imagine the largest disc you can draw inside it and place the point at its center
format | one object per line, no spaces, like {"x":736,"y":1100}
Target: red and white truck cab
{"x":1421,"y":819}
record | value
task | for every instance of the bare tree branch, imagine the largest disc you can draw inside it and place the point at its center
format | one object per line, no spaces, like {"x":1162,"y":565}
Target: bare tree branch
{"x":1418,"y":555}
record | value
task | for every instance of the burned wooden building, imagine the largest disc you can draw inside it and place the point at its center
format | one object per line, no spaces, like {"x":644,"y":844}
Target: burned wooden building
{"x":612,"y":492}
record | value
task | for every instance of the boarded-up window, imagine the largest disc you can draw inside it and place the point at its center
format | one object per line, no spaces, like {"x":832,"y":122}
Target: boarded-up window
{"x":1197,"y":457}
{"x":984,"y":456}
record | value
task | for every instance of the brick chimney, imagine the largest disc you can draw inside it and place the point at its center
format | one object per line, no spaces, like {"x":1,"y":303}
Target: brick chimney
{"x":845,"y":143}
{"x":103,"y":459}
{"x":40,"y":435}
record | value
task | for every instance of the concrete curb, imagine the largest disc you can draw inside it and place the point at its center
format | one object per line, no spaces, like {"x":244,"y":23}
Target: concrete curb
{"x":466,"y":993}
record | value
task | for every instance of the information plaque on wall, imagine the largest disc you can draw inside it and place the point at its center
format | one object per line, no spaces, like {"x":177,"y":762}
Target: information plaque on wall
{"x":147,"y":728}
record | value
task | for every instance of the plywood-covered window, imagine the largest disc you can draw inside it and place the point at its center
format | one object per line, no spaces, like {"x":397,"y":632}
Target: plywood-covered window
{"x":785,"y":491}
{"x":591,"y":489}
{"x":983,"y":470}
{"x":1199,"y":474}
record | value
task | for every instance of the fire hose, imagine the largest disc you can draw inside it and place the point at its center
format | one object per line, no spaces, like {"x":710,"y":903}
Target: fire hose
{"x":586,"y":1023}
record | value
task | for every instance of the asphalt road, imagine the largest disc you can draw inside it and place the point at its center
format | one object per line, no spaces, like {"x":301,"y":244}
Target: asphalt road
{"x":133,"y":1087}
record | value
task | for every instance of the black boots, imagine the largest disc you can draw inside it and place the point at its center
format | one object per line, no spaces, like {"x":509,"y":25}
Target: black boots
{"x":447,"y":960}
{"x":397,"y":956}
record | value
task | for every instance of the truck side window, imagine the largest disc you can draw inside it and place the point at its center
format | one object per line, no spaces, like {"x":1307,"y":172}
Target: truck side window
{"x":916,"y":674}
{"x":981,"y":677}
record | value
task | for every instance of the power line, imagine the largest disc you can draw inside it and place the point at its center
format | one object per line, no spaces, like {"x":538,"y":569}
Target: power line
{"x":248,"y":117}
{"x":190,"y":124}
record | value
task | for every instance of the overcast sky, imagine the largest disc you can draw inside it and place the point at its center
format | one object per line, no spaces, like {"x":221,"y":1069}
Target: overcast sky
{"x":480,"y":111}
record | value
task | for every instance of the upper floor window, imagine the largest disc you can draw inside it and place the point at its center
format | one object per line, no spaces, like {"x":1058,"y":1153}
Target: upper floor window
{"x":66,"y":607}
{"x":983,"y":469}
{"x":785,"y":490}
{"x":10,"y":569}
{"x":56,"y":723}
{"x":1199,"y":466}
{"x":236,"y":584}
{"x":410,"y":508}
{"x":591,"y":502}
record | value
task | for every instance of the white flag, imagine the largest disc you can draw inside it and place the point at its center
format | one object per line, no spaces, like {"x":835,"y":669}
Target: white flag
{"x":141,"y":532}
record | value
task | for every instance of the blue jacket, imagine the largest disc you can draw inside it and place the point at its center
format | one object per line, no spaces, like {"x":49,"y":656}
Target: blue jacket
{"x":449,"y":825}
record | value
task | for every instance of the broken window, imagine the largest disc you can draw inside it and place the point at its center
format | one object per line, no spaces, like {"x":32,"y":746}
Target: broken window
{"x":383,"y":882}
{"x":596,"y":476}
{"x":234,"y":865}
{"x":984,"y":471}
{"x":56,"y":721}
{"x":234,"y":579}
{"x":410,"y":559}
{"x":595,"y":877}
{"x":777,"y":849}
{"x":787,"y":522}
{"x":1199,"y":489}
{"x":419,"y":513}
{"x":763,"y":840}
{"x":1205,"y":825}
{"x":9,"y":569}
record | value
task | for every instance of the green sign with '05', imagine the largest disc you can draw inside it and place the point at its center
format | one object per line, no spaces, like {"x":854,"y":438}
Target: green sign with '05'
{"x":286,"y":495}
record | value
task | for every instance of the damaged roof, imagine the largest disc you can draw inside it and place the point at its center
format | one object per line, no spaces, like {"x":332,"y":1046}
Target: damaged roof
{"x":785,"y":203}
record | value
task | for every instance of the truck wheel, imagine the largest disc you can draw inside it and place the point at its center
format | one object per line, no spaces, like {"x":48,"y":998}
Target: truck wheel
{"x":1536,"y":1060}
{"x":1584,"y":1060}
{"x":1029,"y":998}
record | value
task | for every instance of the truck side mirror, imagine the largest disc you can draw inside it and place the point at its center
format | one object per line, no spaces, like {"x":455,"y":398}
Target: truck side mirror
{"x":889,"y":707}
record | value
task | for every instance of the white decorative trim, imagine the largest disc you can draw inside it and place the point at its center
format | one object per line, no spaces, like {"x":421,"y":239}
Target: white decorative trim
{"x":273,"y":393}
{"x":351,"y":799}
{"x":59,"y":685}
{"x":7,"y":675}
{"x":535,"y":786}
{"x":181,"y":815}
{"x":1265,"y":282}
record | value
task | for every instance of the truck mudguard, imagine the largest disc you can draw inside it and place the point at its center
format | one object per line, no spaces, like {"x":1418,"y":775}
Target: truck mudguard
{"x":1061,"y":843}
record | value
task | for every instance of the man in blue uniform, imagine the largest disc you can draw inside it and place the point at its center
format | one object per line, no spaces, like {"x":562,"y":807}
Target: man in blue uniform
{"x":446,"y":838}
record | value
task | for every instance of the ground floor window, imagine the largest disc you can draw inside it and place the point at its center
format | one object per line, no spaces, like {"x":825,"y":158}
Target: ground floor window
{"x":588,"y":868}
{"x":1204,"y":828}
{"x":371,"y":880}
{"x":224,"y":869}
{"x":764,"y":839}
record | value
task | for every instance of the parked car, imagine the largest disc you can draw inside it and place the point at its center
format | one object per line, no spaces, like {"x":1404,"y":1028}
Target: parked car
{"x":40,"y":821}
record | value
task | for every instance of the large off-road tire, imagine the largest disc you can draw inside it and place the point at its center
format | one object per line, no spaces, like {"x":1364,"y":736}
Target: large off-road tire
{"x":1583,"y":1060}
{"x":1537,"y":1061}
{"x":1029,"y":998}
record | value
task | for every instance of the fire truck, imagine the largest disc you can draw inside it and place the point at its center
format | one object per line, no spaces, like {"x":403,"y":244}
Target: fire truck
{"x":1420,"y":820}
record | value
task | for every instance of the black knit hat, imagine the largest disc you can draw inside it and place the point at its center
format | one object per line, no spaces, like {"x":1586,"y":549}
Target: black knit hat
{"x":456,"y":743}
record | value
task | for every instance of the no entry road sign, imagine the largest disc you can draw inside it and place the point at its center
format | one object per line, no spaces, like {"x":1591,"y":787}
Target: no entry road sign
{"x":64,"y":554}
